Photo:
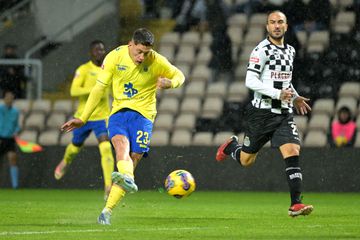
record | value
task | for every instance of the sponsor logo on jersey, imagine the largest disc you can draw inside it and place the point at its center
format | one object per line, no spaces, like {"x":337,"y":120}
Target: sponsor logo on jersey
{"x":280,"y":75}
{"x":295,"y":175}
{"x":121,"y":67}
{"x":130,"y":91}
{"x":254,"y":60}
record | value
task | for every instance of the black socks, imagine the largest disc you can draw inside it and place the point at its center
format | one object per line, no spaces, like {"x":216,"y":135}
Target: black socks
{"x":294,"y":178}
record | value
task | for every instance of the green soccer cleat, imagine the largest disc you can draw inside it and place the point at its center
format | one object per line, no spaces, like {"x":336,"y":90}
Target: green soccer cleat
{"x":124,"y":181}
{"x":104,"y":218}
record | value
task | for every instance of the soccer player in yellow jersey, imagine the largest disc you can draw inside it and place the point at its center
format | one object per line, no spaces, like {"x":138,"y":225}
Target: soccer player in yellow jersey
{"x":135,"y":72}
{"x":84,"y":80}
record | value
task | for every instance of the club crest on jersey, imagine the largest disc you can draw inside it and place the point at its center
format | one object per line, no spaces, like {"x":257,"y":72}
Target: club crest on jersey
{"x":130,"y":91}
{"x":146,"y":68}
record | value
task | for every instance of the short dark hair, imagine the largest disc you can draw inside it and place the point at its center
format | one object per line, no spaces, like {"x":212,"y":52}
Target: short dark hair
{"x":95,"y":42}
{"x":275,"y":11}
{"x":143,"y":36}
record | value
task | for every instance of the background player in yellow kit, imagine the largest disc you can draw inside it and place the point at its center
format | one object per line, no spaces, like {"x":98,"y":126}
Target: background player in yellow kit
{"x":84,"y":80}
{"x":135,"y":71}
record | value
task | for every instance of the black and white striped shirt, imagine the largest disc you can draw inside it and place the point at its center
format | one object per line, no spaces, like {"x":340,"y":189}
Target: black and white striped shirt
{"x":270,"y":70}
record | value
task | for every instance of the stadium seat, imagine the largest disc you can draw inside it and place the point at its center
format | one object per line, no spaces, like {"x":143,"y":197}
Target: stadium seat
{"x":22,"y":105}
{"x":202,"y":139}
{"x":169,"y":105}
{"x":350,"y":102}
{"x":236,"y":35}
{"x":315,"y":138}
{"x":191,"y":105}
{"x":357,"y":140}
{"x":200,"y":73}
{"x":350,"y":89}
{"x":217,"y":89}
{"x":185,"y":68}
{"x":170,"y":38}
{"x":257,"y":20}
{"x":64,"y":106}
{"x":238,"y":92}
{"x":191,"y":38}
{"x":185,"y":55}
{"x":29,"y":135}
{"x":323,"y":105}
{"x":212,"y":108}
{"x":221,"y":137}
{"x":160,"y":138}
{"x":41,"y":105}
{"x":168,"y":51}
{"x":319,"y":121}
{"x":35,"y":121}
{"x":344,"y":22}
{"x":318,"y":40}
{"x":65,"y":138}
{"x":49,"y":137}
{"x":173,"y":92}
{"x":301,"y":123}
{"x":185,"y":121}
{"x":181,"y":138}
{"x":195,"y":89}
{"x":245,"y":55}
{"x":204,"y":56}
{"x":237,"y":20}
{"x":206,"y":39}
{"x":240,"y":72}
{"x":164,"y":121}
{"x":254,"y":36}
{"x":55,"y":120}
{"x":302,"y":37}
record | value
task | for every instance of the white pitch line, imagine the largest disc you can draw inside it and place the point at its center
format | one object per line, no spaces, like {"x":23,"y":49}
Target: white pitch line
{"x":104,"y":230}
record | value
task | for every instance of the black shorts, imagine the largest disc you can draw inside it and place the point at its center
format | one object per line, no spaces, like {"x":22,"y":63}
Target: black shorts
{"x":262,"y":125}
{"x":7,"y":145}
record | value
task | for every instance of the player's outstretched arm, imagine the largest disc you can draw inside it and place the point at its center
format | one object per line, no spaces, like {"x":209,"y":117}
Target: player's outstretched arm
{"x":301,"y":105}
{"x":71,"y":125}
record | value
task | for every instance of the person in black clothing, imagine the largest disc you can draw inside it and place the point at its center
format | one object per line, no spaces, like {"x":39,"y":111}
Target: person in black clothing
{"x":12,"y":77}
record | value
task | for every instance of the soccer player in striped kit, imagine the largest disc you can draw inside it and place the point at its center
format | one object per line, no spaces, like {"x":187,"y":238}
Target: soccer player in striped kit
{"x":270,"y":114}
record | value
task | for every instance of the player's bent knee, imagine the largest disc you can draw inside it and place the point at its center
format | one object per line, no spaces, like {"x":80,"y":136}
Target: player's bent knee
{"x":246,"y":159}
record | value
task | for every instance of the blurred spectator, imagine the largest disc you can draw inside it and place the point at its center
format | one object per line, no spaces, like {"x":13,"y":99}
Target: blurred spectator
{"x":317,"y":17}
{"x":258,"y":6}
{"x":343,"y":130}
{"x":221,"y":49}
{"x":12,"y":77}
{"x":9,"y":127}
{"x":151,"y":9}
{"x":192,"y":15}
{"x":294,"y":10}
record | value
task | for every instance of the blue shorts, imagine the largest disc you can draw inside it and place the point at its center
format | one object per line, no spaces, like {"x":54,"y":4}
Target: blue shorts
{"x":134,"y":126}
{"x":80,"y":134}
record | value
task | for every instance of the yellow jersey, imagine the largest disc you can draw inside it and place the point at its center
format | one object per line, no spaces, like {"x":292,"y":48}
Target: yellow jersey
{"x":84,"y":80}
{"x":133,"y":86}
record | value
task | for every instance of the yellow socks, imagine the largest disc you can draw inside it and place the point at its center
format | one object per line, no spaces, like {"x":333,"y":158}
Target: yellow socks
{"x":126,"y":167}
{"x":71,"y":152}
{"x":107,"y":162}
{"x":116,"y":194}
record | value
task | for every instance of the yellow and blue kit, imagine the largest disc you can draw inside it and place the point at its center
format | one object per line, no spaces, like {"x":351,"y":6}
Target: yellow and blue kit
{"x":134,"y":91}
{"x":84,"y":80}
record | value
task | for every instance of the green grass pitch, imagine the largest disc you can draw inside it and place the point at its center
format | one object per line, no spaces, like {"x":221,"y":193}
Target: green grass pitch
{"x":71,"y":214}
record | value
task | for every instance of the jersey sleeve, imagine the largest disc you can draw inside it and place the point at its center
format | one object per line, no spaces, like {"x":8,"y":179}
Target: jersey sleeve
{"x":171,"y":72}
{"x":77,"y":85}
{"x":107,"y":69}
{"x":255,"y":67}
{"x":102,"y":83}
{"x":257,"y":60}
